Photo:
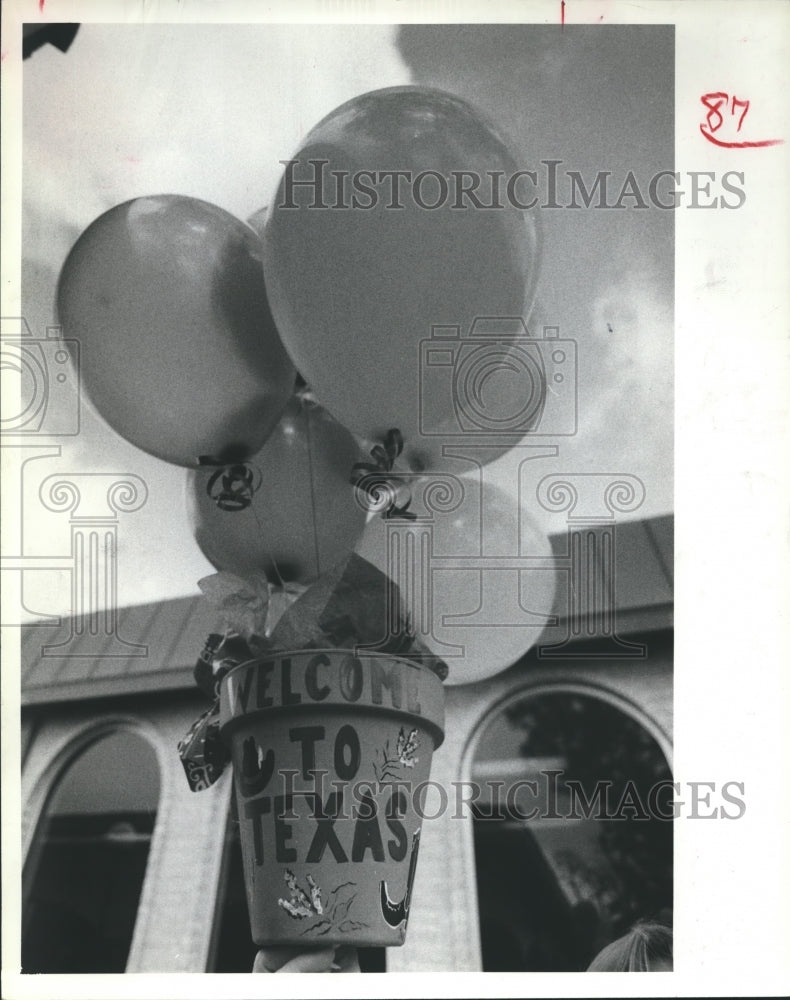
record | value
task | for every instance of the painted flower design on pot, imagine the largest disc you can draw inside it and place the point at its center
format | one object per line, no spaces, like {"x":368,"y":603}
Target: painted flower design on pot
{"x":391,"y":760}
{"x":306,"y":903}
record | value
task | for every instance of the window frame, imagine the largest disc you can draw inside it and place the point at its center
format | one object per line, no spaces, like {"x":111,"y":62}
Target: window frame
{"x":445,"y":911}
{"x":588,"y":683}
{"x":45,"y":766}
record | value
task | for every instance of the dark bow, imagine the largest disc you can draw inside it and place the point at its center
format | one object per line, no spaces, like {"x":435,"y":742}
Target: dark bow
{"x":374,"y":480}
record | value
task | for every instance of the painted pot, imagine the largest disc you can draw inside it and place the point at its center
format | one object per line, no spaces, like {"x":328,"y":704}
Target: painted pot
{"x":331,"y":757}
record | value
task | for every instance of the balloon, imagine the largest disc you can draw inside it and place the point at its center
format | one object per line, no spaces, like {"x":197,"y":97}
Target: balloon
{"x":178,"y":349}
{"x":304,"y":516}
{"x":356,"y":285}
{"x":478,"y":574}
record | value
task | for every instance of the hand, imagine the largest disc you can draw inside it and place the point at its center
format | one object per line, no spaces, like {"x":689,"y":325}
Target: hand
{"x":344,"y":959}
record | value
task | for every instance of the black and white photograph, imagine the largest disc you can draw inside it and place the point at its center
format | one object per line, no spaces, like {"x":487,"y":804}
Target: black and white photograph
{"x":375,"y":377}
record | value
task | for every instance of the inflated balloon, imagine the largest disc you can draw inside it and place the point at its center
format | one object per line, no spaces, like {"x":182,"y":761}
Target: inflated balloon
{"x":477,"y":573}
{"x":179,"y":352}
{"x":378,"y":261}
{"x":304,"y":516}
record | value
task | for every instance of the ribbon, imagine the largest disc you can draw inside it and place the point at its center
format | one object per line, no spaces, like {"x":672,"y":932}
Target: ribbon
{"x":244,"y":605}
{"x":203,"y":754}
{"x":204,"y":668}
{"x":232,"y":487}
{"x":374,"y":480}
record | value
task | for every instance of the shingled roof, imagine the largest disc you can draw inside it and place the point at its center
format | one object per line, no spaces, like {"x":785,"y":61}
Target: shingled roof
{"x":151,"y":647}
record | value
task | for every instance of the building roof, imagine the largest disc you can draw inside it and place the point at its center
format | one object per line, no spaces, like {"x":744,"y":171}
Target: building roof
{"x":153,"y":647}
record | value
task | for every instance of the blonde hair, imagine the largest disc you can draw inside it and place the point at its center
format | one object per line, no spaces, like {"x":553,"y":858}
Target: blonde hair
{"x":647,"y":947}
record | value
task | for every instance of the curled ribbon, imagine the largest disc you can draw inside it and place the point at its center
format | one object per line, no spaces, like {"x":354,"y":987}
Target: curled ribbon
{"x":232,"y":487}
{"x":381,"y":489}
{"x":203,"y":754}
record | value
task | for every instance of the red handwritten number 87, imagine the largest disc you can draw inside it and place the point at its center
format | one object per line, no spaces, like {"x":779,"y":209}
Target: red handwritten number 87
{"x":717,"y":103}
{"x":714,"y":101}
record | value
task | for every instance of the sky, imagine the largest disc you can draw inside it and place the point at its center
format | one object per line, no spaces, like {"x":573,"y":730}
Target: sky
{"x":209,"y":111}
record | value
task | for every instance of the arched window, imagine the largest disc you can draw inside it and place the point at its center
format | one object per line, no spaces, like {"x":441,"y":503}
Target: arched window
{"x":573,"y":831}
{"x":85,"y":868}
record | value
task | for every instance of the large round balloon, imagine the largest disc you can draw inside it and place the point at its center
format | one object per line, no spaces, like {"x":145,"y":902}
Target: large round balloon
{"x":477,"y":576}
{"x":178,"y":349}
{"x":400,"y":297}
{"x":303,"y":517}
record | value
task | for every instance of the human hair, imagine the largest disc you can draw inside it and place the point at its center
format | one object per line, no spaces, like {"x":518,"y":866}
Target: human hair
{"x":647,"y":947}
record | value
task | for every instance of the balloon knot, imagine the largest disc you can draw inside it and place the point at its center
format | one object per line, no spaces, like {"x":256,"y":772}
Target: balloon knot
{"x":378,"y":490}
{"x":232,"y":487}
